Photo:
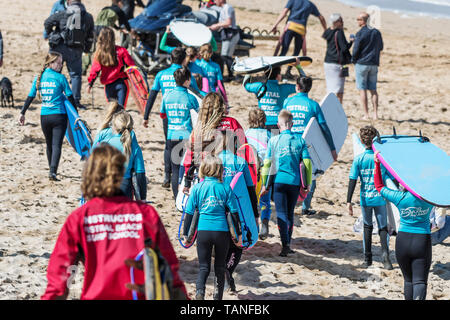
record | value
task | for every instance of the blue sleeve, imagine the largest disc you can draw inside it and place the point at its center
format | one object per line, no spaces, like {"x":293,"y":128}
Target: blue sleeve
{"x":290,"y":4}
{"x":393,"y":196}
{"x":163,"y":106}
{"x":231,"y":201}
{"x":269,"y":150}
{"x":33,"y":89}
{"x":247,"y":176}
{"x":219,"y":73}
{"x":305,"y":152}
{"x":253,"y":87}
{"x":139,"y":165}
{"x":314,"y":10}
{"x":193,"y":103}
{"x":354,"y":171}
{"x":191,"y":203}
{"x":156,"y":84}
{"x":194,"y":84}
{"x":66,"y":86}
{"x":356,"y":47}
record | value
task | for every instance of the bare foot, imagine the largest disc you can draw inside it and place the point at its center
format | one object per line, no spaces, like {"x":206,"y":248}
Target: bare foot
{"x":375,"y":117}
{"x":366,"y":116}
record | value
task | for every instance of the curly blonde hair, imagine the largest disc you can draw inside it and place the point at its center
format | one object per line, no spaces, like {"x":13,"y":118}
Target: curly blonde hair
{"x":103,"y":172}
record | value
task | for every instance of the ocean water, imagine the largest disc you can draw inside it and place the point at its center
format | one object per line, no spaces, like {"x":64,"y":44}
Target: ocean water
{"x":433,"y":8}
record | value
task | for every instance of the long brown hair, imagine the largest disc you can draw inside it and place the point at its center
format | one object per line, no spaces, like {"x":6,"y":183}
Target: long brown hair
{"x":206,"y":52}
{"x":209,"y":117}
{"x":49,"y":59}
{"x":103,"y":172}
{"x":105,"y":53}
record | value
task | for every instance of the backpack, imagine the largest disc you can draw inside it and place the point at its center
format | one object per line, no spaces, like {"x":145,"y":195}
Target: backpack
{"x":74,"y":31}
{"x":106,"y":18}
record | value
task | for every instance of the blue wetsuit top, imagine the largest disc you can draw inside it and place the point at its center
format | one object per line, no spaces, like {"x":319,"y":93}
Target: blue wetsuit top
{"x":54,"y":89}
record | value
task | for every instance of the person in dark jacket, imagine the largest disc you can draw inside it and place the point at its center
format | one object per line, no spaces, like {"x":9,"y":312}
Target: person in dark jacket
{"x":128,"y":7}
{"x":71,"y":42}
{"x":366,"y":57}
{"x":58,"y":6}
{"x":337,"y":56}
{"x":1,"y":49}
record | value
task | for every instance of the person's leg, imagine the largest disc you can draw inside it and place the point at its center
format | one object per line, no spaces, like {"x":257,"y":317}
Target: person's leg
{"x":421,"y":246}
{"x":59,"y":131}
{"x":167,"y":161}
{"x":74,"y":65}
{"x":442,"y":234}
{"x":204,"y":251}
{"x":176,"y":151}
{"x":281,"y":205}
{"x":372,"y":78}
{"x":367,"y":234}
{"x":111,"y":92}
{"x":287,"y":38}
{"x":292,"y":196}
{"x":381,"y":216}
{"x":121,"y":92}
{"x":361,"y":84}
{"x":221,"y":249}
{"x":402,"y":248}
{"x":298,"y":43}
{"x":307,"y":202}
{"x":47,"y":129}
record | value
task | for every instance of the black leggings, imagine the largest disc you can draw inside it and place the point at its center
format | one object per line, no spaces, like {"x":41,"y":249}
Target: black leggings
{"x":233,"y":257}
{"x":54,"y":127}
{"x":206,"y":240}
{"x":413,"y":252}
{"x":287,"y":38}
{"x":175,"y":149}
{"x":167,"y":163}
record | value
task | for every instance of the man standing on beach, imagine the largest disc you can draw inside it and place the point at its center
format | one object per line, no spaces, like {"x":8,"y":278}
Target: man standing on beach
{"x":366,"y":57}
{"x":299,"y":12}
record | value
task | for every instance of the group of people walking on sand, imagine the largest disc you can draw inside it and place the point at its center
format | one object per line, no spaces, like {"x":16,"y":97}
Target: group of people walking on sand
{"x":103,"y":233}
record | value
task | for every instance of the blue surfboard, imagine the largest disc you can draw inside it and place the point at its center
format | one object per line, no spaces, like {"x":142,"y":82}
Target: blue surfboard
{"x":418,"y":165}
{"x":77,"y":133}
{"x":248,"y":222}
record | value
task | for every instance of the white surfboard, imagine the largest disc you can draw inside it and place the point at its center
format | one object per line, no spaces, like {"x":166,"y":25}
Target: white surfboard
{"x":191,"y":33}
{"x":318,"y":148}
{"x":393,"y":214}
{"x":258,"y":64}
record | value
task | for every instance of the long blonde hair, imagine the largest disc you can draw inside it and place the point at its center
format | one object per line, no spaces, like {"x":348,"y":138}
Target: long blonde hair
{"x":206,"y":52}
{"x":114,"y":107}
{"x":103,"y":172}
{"x":49,"y":59}
{"x":209,"y":117}
{"x":105,"y":53}
{"x":122,"y":123}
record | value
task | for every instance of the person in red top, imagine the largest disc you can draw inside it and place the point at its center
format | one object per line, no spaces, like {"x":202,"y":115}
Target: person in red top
{"x":212,"y":117}
{"x":105,"y":234}
{"x":110,"y":62}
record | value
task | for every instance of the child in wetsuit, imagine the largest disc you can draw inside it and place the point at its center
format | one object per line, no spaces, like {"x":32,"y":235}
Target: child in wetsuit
{"x":285,"y":152}
{"x":371,"y":201}
{"x":213,"y":199}
{"x":258,"y":137}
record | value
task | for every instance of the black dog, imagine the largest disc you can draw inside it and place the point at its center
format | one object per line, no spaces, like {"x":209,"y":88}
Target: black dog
{"x":6,"y":93}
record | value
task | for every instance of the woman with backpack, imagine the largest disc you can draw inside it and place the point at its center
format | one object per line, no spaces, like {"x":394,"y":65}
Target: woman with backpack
{"x":110,"y":62}
{"x":337,"y":56}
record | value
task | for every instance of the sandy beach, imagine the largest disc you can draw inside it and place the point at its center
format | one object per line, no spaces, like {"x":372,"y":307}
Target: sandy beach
{"x":414,"y":90}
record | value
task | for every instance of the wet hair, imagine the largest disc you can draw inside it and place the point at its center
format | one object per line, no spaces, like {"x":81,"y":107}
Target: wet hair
{"x":206,"y":51}
{"x":304,"y":83}
{"x":273,"y":73}
{"x":178,"y":55}
{"x":211,"y":166}
{"x":105,"y":53}
{"x":285,"y":117}
{"x":103,"y":172}
{"x":51,"y":57}
{"x":114,"y":107}
{"x":122,"y":123}
{"x":182,"y":75}
{"x":367,"y":134}
{"x":256,"y":118}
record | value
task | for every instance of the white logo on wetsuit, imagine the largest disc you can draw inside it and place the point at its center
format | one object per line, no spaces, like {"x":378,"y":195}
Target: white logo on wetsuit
{"x":413,"y":212}
{"x":212,"y":201}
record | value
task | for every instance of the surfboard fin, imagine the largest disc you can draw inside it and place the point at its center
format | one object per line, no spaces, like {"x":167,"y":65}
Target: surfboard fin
{"x":395,"y":132}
